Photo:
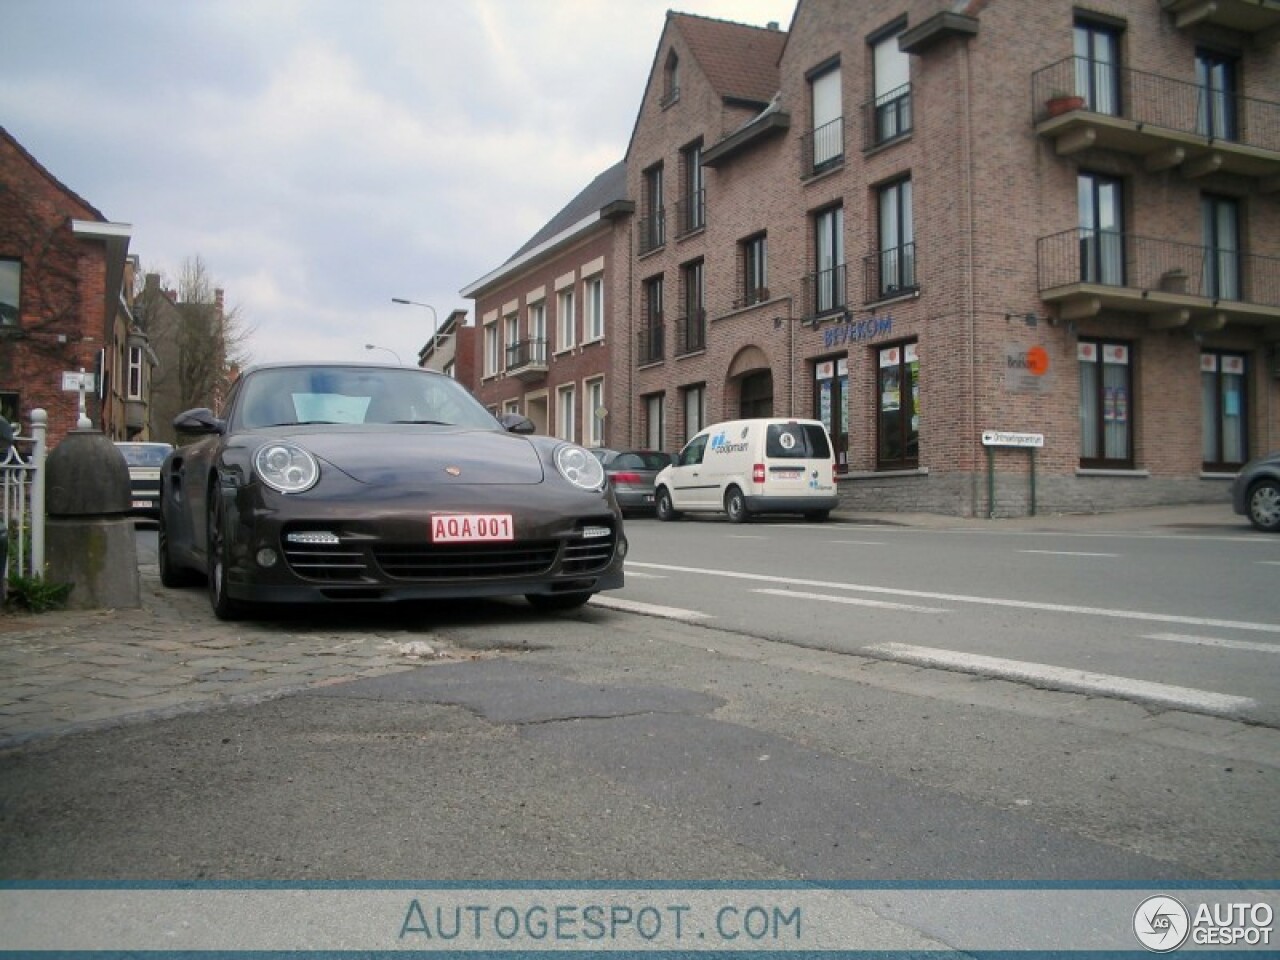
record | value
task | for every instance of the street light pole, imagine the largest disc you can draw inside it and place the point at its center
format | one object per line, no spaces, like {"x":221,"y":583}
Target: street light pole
{"x":374,"y":346}
{"x":435,"y":319}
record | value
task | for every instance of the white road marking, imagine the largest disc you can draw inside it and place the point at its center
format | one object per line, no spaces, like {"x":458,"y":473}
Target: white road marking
{"x":963,"y":598}
{"x":1270,"y":563}
{"x":1069,"y":553}
{"x":746,"y":536}
{"x":1216,"y":642}
{"x":861,"y":543}
{"x":855,"y":601}
{"x":648,"y":609}
{"x":1063,"y":678}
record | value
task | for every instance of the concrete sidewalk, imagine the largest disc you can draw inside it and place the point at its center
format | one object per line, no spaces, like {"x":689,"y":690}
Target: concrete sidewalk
{"x":65,"y":671}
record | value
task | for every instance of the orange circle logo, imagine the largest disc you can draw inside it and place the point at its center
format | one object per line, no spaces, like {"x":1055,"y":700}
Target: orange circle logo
{"x":1038,"y":361}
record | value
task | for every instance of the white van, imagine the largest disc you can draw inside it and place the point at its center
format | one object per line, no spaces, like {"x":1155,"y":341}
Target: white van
{"x":744,"y":467}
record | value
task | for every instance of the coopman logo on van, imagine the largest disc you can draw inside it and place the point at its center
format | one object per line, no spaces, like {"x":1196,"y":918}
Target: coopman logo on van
{"x":720,"y":443}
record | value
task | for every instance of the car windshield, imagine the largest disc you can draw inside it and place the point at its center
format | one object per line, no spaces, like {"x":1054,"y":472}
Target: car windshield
{"x":144,"y":454}
{"x":640,"y":460}
{"x":283,"y":396}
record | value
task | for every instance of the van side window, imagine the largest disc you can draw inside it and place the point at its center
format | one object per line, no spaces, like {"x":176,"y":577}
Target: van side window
{"x":691,"y":455}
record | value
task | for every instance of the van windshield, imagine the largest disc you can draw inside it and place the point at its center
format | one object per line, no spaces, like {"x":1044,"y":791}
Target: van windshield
{"x":796,"y":441}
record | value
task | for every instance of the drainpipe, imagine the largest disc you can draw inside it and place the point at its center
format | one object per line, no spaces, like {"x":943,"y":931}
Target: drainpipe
{"x":966,"y":151}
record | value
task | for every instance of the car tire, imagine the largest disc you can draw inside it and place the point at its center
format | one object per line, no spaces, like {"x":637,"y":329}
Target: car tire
{"x":735,"y":505}
{"x":663,"y":507}
{"x":224,"y":608}
{"x":171,"y":575}
{"x":1264,"y":505}
{"x":558,"y":602}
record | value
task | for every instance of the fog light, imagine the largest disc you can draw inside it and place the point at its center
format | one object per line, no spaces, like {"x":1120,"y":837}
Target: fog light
{"x":622,"y":547}
{"x":267,"y":557}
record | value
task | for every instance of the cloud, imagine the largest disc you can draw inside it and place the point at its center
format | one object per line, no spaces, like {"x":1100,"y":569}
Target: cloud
{"x":323,"y":156}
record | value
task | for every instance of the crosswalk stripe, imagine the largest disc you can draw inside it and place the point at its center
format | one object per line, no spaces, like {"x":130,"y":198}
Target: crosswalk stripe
{"x":1064,"y":678}
{"x":853,"y":601}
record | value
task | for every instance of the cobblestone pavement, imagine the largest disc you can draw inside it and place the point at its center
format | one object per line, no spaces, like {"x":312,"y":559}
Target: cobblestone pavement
{"x":71,"y":670}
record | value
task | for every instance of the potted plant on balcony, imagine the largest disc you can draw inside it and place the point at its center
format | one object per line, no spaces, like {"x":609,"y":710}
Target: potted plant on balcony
{"x":1063,"y":101}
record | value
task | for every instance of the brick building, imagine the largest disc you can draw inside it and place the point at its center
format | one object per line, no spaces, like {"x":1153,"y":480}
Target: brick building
{"x":880,"y":218}
{"x":65,"y":284}
{"x":548,"y":321}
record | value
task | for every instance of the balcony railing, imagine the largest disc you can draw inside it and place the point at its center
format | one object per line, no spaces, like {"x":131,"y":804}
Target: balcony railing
{"x":1163,"y":269}
{"x":691,"y":333}
{"x":651,"y":342}
{"x":1150,"y":100}
{"x":887,"y":117}
{"x":822,"y":148}
{"x":528,"y":353}
{"x":653,"y":232}
{"x":691,"y":213}
{"x":889,"y":273}
{"x":825,"y":292}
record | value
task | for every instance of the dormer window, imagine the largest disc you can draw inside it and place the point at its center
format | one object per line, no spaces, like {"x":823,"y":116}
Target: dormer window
{"x":671,"y":80}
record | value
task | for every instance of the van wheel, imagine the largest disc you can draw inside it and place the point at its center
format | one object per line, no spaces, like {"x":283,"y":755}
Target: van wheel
{"x":735,"y":505}
{"x":663,"y":506}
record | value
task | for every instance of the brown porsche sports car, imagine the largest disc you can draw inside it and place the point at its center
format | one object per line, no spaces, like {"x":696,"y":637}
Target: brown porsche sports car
{"x":368,"y":483}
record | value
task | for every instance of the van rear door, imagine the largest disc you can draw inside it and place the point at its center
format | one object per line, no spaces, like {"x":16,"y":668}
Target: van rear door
{"x":797,"y":460}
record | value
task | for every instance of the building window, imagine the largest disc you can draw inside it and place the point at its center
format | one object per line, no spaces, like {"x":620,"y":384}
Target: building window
{"x":755,"y":270}
{"x":1216,"y":77}
{"x":891,"y":83}
{"x":566,"y":320}
{"x":831,"y":404}
{"x":671,"y":79}
{"x":1106,"y":407}
{"x":695,"y":409}
{"x":896,"y":261}
{"x":135,"y":373}
{"x":9,"y":408}
{"x":829,"y":272}
{"x":826,"y":140}
{"x":655,"y":426}
{"x":537,"y":352}
{"x":1097,"y":52}
{"x":1101,"y":207}
{"x":692,"y":212}
{"x":691,"y":330}
{"x":652,"y":346}
{"x":653,"y":227}
{"x":566,"y":412}
{"x":1223,"y":423}
{"x":492,"y":350}
{"x":592,"y":407}
{"x":1221,"y":222}
{"x":594,"y":289}
{"x":897,"y":407}
{"x":10,"y":292}
{"x":511,"y":338}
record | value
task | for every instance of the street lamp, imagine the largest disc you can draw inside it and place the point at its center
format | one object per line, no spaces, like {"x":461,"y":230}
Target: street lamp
{"x":374,"y":346}
{"x":435,"y":319}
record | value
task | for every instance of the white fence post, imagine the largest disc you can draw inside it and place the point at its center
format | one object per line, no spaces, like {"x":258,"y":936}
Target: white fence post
{"x":39,"y":427}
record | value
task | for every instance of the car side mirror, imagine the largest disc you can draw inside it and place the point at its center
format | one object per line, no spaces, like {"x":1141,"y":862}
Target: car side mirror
{"x":517,"y":423}
{"x":199,"y":420}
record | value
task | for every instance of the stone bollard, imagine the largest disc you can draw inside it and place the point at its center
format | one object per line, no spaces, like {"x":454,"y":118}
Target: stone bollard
{"x":89,"y":537}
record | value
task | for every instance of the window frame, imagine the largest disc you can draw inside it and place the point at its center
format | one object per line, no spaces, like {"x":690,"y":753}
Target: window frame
{"x":1214,"y":363}
{"x":655,"y":421}
{"x":566,"y":320}
{"x":826,"y":129}
{"x":567,"y":410}
{"x":11,"y":319}
{"x":908,"y":418}
{"x":894,"y":209}
{"x":594,"y":307}
{"x":1122,"y":407}
{"x":592,"y":400}
{"x":828,"y":225}
{"x":755,"y":268}
{"x":889,"y":102}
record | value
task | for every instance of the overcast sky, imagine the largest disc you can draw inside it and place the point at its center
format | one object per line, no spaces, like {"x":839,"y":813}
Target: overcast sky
{"x":324,"y":156}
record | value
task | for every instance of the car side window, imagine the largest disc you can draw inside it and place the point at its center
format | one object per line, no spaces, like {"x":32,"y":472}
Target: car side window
{"x":692,"y":454}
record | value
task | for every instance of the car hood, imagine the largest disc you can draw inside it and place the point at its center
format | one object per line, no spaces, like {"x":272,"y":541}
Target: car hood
{"x":424,"y":455}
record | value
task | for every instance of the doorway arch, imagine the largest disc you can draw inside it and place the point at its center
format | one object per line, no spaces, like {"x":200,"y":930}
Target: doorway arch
{"x":750,"y":383}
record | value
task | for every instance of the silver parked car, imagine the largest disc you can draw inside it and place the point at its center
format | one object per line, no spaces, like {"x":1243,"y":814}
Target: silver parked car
{"x":631,"y":474}
{"x":1256,"y":492}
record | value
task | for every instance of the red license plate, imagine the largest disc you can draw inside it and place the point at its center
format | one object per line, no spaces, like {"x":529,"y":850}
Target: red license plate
{"x":471,"y":527}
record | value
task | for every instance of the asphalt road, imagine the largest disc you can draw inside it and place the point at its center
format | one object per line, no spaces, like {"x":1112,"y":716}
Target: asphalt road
{"x":611,"y":745}
{"x":1187,"y":619}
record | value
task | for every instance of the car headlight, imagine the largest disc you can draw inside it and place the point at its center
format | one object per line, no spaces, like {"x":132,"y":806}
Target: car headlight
{"x":579,"y":467}
{"x":286,"y":467}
